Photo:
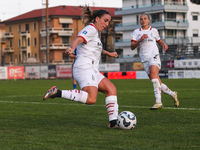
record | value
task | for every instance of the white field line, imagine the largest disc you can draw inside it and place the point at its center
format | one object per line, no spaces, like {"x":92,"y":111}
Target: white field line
{"x":123,"y":106}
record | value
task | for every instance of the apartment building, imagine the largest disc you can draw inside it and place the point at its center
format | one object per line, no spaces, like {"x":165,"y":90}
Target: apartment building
{"x":177,"y":22}
{"x":27,"y":39}
{"x":2,"y":42}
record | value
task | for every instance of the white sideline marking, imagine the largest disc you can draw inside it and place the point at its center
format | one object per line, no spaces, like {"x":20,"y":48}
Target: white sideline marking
{"x":47,"y":103}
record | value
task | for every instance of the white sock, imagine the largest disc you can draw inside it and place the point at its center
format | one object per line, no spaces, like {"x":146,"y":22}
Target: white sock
{"x":166,"y":90}
{"x":112,"y":107}
{"x":75,"y":95}
{"x":157,"y":90}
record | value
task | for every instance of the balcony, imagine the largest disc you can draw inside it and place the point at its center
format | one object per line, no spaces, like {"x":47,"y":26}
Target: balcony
{"x":9,"y":50}
{"x":23,"y":49}
{"x":24,"y":33}
{"x":154,"y":7}
{"x":123,"y":43}
{"x":59,"y":31}
{"x":8,"y":35}
{"x":159,"y":24}
{"x":55,"y":46}
{"x":167,"y":39}
{"x":3,"y":40}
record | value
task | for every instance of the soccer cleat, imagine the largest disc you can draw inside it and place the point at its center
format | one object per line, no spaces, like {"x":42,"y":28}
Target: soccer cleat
{"x":175,"y":97}
{"x":157,"y":106}
{"x":115,"y":126}
{"x":51,"y":93}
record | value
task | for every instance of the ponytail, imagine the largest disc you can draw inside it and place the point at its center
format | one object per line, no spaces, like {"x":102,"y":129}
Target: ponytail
{"x":89,"y":16}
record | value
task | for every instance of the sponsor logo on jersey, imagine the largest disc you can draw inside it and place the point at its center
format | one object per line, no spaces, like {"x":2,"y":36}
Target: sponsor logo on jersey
{"x":99,"y":44}
{"x":84,"y":32}
{"x":149,"y":40}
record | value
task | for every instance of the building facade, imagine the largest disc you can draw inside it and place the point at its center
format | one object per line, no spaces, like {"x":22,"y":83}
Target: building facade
{"x":2,"y":43}
{"x":177,"y":22}
{"x":29,"y":39}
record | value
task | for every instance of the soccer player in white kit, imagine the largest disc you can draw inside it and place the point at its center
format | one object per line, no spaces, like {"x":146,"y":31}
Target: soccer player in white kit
{"x":145,"y":39}
{"x":86,"y":66}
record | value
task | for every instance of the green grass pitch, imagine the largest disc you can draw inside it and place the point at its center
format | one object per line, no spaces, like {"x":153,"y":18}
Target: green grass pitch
{"x":28,"y":122}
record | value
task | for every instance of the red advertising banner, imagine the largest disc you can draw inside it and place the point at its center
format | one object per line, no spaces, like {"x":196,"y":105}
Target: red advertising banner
{"x":64,"y":71}
{"x":15,"y":72}
{"x":121,"y":75}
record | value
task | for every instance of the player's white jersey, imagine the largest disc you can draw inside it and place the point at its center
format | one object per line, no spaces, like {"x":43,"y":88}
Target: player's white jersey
{"x":147,"y":47}
{"x":89,"y":52}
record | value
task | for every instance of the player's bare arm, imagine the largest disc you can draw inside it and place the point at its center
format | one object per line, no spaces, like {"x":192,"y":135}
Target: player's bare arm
{"x":75,"y":43}
{"x":111,"y":54}
{"x":163,"y":45}
{"x":134,"y":44}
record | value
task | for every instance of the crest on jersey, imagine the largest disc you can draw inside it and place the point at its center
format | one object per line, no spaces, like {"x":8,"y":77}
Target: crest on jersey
{"x":93,"y":78}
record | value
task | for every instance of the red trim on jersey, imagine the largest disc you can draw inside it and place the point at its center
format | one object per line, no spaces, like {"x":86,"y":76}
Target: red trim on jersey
{"x":93,"y":25}
{"x":149,"y":28}
{"x":133,"y":40}
{"x":83,"y":39}
{"x":158,"y":40}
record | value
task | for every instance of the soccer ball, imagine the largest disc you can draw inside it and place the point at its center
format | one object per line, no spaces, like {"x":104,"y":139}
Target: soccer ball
{"x":126,"y":120}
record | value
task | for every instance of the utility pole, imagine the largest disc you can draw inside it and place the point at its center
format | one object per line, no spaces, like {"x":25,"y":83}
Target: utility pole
{"x":47,"y":32}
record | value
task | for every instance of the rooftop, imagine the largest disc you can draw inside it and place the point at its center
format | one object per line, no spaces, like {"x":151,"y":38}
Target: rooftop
{"x":71,"y":11}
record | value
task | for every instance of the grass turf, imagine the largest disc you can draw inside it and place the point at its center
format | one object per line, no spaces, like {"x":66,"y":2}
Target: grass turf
{"x":28,"y":122}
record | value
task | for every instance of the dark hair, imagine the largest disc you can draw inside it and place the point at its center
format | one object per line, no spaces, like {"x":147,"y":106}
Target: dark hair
{"x":146,"y":15}
{"x":88,"y":15}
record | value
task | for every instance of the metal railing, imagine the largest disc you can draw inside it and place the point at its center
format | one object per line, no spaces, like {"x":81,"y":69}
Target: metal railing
{"x":153,"y":4}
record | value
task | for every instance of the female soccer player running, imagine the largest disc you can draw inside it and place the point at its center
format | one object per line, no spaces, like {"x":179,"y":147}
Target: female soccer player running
{"x":145,"y":39}
{"x":85,"y":68}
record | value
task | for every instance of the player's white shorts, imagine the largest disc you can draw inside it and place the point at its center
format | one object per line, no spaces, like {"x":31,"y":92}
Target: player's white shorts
{"x":87,"y":77}
{"x":153,"y":61}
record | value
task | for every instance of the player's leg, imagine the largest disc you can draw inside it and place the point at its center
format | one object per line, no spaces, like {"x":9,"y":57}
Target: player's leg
{"x":174,"y":94}
{"x":108,"y":88}
{"x":154,"y":70}
{"x":88,"y":83}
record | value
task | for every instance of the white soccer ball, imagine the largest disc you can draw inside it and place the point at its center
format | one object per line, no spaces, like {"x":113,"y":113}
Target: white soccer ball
{"x":126,"y":120}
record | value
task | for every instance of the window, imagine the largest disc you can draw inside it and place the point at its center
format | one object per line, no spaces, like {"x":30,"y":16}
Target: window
{"x":170,"y":16}
{"x":35,"y":55}
{"x":65,"y":56}
{"x":195,"y":18}
{"x":19,"y":29}
{"x":28,"y":41}
{"x":195,"y":49}
{"x":10,"y":29}
{"x":11,"y":59}
{"x":195,"y":32}
{"x":35,"y":42}
{"x":170,"y":33}
{"x":117,"y":38}
{"x":19,"y":43}
{"x":29,"y":55}
{"x":20,"y":59}
{"x":119,"y":52}
{"x":26,"y":27}
{"x":34,"y":26}
{"x":65,"y":40}
{"x":144,"y":2}
{"x":65,"y":25}
{"x":10,"y":43}
{"x":195,"y":1}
